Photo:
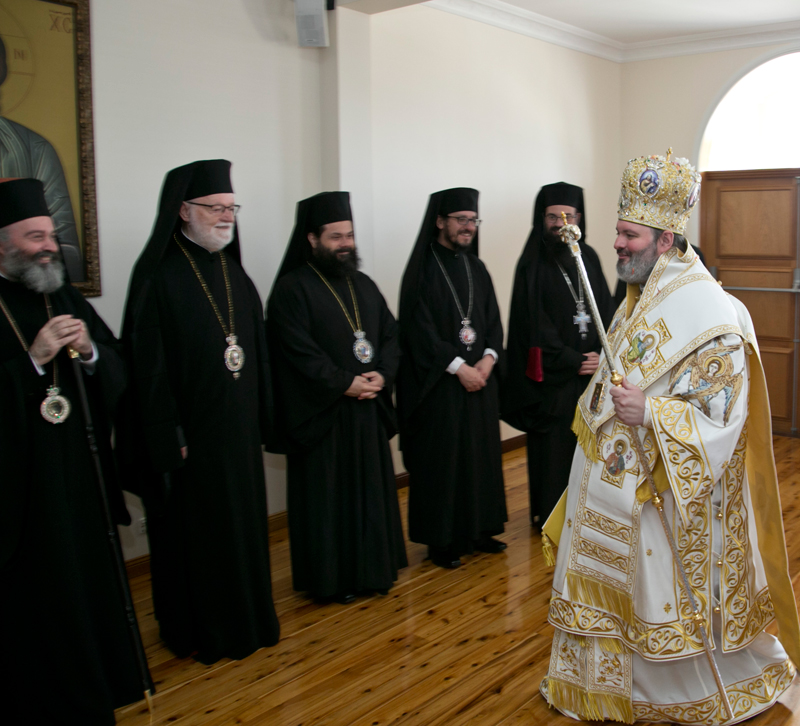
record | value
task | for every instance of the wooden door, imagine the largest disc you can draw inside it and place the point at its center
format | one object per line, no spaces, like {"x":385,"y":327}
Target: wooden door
{"x":749,"y":236}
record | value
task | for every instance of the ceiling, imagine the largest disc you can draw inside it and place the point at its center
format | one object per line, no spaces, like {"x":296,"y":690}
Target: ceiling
{"x":625,"y":30}
{"x":633,"y":21}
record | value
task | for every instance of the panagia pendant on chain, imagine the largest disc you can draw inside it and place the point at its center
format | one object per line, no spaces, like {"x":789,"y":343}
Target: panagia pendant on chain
{"x":55,"y":408}
{"x":234,"y":356}
{"x":467,"y":334}
{"x":362,"y":348}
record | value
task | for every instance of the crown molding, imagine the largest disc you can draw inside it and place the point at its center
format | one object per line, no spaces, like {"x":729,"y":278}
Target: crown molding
{"x":713,"y":42}
{"x":510,"y":17}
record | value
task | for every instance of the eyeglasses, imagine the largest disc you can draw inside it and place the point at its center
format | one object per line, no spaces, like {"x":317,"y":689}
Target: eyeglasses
{"x":464,"y":221}
{"x":557,"y":217}
{"x":219,"y":209}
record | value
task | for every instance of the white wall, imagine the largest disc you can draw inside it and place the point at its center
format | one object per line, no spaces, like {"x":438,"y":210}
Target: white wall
{"x":460,"y":103}
{"x":179,"y":80}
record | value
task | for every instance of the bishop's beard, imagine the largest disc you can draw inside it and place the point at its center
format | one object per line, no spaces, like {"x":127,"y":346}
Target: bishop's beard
{"x":637,"y":269}
{"x":33,"y":274}
{"x":331,"y":264}
{"x":555,"y":248}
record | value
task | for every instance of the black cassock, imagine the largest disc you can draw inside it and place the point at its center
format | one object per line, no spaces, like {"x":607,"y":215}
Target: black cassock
{"x":450,"y":438}
{"x":206,"y":515}
{"x":344,"y":518}
{"x":542,"y":311}
{"x":67,"y":654}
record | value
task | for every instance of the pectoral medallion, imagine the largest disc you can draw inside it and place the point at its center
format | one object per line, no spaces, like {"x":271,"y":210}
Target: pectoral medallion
{"x":467,"y":334}
{"x":234,"y":356}
{"x":55,"y":408}
{"x":362,"y":348}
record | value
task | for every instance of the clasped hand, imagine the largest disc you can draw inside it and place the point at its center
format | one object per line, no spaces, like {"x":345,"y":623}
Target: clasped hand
{"x":629,"y":402}
{"x":55,"y":334}
{"x":589,"y":364}
{"x":367,"y":385}
{"x":473,"y":378}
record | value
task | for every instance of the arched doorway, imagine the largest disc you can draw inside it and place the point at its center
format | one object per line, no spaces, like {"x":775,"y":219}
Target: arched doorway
{"x":750,"y":159}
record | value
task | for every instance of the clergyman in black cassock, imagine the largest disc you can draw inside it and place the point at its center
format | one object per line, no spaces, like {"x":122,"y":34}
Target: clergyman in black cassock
{"x":335,"y":353}
{"x":67,"y":653}
{"x":198,"y":414}
{"x":550,"y":356}
{"x":447,"y":390}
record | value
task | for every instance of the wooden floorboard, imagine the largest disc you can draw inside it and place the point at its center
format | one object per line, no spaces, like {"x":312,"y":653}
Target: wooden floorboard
{"x":444,"y":648}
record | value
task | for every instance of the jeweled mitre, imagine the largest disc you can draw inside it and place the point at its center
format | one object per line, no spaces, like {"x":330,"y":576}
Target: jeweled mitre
{"x":659,"y":192}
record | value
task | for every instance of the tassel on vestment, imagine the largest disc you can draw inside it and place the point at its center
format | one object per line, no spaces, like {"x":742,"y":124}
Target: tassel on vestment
{"x":589,"y":706}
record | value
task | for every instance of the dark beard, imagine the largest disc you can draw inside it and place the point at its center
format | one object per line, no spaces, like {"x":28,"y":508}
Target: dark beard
{"x":459,"y":246}
{"x":35,"y":276}
{"x":330,"y":264}
{"x":555,"y":248}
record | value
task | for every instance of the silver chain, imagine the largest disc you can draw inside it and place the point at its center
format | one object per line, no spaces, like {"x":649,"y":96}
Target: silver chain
{"x":468,"y":316}
{"x":577,"y":298}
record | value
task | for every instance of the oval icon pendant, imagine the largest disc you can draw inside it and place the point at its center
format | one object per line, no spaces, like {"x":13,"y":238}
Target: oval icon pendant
{"x":55,"y":408}
{"x":468,"y":336}
{"x":234,"y":356}
{"x":362,"y":348}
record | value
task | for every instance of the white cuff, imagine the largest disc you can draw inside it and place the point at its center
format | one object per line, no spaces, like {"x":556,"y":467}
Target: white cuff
{"x":38,"y":368}
{"x":491,"y":352}
{"x":89,"y":365}
{"x":455,"y":365}
{"x":647,"y":422}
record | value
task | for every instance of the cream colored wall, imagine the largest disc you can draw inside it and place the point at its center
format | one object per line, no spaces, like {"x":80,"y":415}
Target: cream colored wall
{"x":179,"y":80}
{"x":668,"y":102}
{"x":460,"y":103}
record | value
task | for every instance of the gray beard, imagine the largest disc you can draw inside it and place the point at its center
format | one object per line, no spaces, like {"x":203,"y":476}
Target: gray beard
{"x":207,"y":240}
{"x":37,"y":277}
{"x":637,"y":269}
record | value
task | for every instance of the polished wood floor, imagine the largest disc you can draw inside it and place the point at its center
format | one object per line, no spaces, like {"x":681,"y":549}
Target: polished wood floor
{"x":446,"y":648}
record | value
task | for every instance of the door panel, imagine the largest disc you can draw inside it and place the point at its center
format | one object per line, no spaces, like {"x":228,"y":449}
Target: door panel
{"x":764,"y":216}
{"x":755,"y":277}
{"x":749,"y":233}
{"x":778,"y":365}
{"x":772,"y":313}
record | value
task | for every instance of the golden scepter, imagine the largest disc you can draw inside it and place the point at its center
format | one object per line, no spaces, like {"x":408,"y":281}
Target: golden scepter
{"x":570,"y":234}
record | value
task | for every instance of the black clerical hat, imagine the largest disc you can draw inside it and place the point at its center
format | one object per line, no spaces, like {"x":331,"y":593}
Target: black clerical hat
{"x":561,"y":193}
{"x":212,"y":176}
{"x":327,"y":208}
{"x":21,"y":199}
{"x":312,"y":213}
{"x":460,"y":199}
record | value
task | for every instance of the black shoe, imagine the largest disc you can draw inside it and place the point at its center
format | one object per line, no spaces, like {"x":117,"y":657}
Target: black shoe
{"x":383,"y":592}
{"x":490,"y":545}
{"x":344,"y":598}
{"x":444,"y":557}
